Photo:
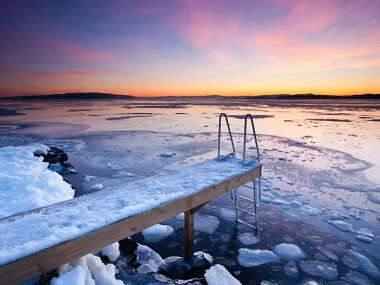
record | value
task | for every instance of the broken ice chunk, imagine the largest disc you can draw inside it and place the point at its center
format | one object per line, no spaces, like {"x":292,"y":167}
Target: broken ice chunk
{"x":253,"y":258}
{"x":157,"y":232}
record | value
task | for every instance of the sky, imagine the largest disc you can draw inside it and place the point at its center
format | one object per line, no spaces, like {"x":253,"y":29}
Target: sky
{"x":157,"y":48}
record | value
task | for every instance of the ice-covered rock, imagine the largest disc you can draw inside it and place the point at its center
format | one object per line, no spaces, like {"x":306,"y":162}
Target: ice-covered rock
{"x":288,"y":251}
{"x":327,"y":271}
{"x":26,"y":183}
{"x":97,"y":187}
{"x":157,"y":232}
{"x":291,"y":269}
{"x":149,"y":259}
{"x":343,"y":226}
{"x":365,"y":265}
{"x":180,"y":217}
{"x":253,"y":258}
{"x":227,"y":214}
{"x":111,"y":251}
{"x":248,"y":238}
{"x":219,"y":275}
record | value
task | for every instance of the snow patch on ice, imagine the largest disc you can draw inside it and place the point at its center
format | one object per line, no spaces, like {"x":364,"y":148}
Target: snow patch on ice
{"x":157,"y":232}
{"x":219,"y":275}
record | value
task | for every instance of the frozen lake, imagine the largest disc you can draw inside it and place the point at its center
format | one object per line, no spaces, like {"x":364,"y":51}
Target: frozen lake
{"x":321,"y":182}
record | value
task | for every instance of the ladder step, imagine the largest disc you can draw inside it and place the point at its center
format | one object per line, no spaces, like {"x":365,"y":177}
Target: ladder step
{"x":245,"y":223}
{"x":245,"y":198}
{"x":245,"y":211}
{"x":250,"y":187}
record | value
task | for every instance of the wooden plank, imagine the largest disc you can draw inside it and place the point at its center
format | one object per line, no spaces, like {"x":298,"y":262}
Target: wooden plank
{"x":49,"y":259}
{"x":189,"y":234}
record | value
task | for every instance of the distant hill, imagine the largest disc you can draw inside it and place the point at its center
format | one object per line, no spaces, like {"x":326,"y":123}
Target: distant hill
{"x":72,"y":96}
{"x":108,"y":96}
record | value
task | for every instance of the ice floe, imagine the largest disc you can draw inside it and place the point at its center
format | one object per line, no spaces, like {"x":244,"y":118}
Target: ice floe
{"x":365,"y":265}
{"x":288,"y":251}
{"x":248,"y":238}
{"x":95,"y":271}
{"x":291,"y":269}
{"x":219,"y":275}
{"x":157,"y":232}
{"x":327,"y":271}
{"x":149,"y":259}
{"x":253,"y":258}
{"x":309,"y":210}
{"x":111,"y":251}
{"x":227,"y":214}
{"x":97,"y":187}
{"x":343,"y":226}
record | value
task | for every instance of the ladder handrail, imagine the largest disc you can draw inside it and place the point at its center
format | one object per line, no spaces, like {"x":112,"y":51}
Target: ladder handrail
{"x":229,"y":131}
{"x":245,"y":137}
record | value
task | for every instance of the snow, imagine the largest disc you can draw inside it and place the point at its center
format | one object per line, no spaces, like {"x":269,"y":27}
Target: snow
{"x":26,"y":182}
{"x":149,"y":259}
{"x":253,"y":258}
{"x":97,"y":187}
{"x":219,"y":275}
{"x":111,"y":251}
{"x":288,"y":251}
{"x":76,"y":276}
{"x":157,"y":232}
{"x":96,"y":272}
{"x":79,"y":216}
{"x":327,"y":271}
{"x":228,"y":215}
{"x":248,"y":238}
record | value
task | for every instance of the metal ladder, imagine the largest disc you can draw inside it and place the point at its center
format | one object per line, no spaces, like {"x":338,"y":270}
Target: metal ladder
{"x":256,"y":184}
{"x":233,"y":153}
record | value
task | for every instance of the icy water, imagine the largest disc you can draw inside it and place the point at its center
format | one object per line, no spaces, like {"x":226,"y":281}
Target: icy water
{"x":320,"y":179}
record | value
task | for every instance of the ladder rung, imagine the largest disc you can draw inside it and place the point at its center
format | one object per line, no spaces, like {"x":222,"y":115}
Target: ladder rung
{"x":245,"y":211}
{"x":250,"y":187}
{"x":245,"y":198}
{"x":245,"y":223}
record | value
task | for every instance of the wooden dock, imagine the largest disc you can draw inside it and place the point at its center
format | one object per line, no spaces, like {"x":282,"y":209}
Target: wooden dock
{"x":88,"y":223}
